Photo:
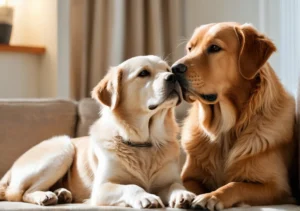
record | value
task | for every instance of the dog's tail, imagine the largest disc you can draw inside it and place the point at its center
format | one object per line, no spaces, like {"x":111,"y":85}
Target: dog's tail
{"x":3,"y":185}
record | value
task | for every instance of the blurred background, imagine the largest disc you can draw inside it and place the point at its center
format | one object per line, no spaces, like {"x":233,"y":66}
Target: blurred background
{"x":62,"y":48}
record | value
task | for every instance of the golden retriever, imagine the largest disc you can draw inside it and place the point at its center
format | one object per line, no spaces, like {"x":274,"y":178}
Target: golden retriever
{"x":238,"y":135}
{"x":131,"y":157}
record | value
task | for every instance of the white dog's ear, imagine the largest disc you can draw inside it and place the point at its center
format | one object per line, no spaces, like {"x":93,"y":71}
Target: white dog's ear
{"x":255,"y":50}
{"x":108,"y":90}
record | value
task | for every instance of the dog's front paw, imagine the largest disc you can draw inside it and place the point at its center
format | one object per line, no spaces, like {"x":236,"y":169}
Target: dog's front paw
{"x":207,"y":201}
{"x":181,"y":199}
{"x":147,"y":200}
{"x":46,"y":198}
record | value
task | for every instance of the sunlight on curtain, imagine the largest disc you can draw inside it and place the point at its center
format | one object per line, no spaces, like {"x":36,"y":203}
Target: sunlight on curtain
{"x":290,"y":44}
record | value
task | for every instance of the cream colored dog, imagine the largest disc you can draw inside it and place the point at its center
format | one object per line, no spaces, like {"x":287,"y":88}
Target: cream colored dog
{"x":129,"y":159}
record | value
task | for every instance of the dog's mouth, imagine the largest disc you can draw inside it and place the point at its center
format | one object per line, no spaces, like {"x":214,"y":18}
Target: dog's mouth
{"x":191,"y":95}
{"x":174,"y":93}
{"x":209,"y":97}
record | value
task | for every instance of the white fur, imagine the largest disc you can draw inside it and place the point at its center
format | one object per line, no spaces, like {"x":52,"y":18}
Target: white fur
{"x":101,"y":166}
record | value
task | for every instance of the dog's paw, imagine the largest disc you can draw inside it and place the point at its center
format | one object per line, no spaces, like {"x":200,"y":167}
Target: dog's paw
{"x":47,"y":198}
{"x":64,"y":196}
{"x":207,"y":201}
{"x":181,"y":199}
{"x":147,"y":200}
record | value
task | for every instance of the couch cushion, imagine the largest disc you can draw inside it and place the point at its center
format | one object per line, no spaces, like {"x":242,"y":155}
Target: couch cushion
{"x":88,"y":113}
{"x":24,"y":124}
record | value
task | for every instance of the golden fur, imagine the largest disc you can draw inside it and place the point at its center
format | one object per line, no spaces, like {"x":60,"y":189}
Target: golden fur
{"x":239,"y":147}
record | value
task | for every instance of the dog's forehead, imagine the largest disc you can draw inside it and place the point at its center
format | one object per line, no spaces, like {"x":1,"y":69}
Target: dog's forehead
{"x":200,"y":32}
{"x":211,"y":30}
{"x":151,"y":62}
{"x":221,"y":28}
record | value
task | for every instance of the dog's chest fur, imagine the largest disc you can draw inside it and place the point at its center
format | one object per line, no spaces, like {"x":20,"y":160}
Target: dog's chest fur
{"x":212,"y":161}
{"x":143,"y":164}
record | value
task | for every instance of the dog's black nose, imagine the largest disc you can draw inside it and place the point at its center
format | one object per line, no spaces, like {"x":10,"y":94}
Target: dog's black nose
{"x":179,"y":68}
{"x":170,"y":78}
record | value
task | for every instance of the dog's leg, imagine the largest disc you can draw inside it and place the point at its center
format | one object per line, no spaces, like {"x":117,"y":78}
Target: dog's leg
{"x":176,"y":196}
{"x":173,"y":192}
{"x":235,"y":193}
{"x":45,"y":198}
{"x":39,"y":169}
{"x":194,"y":186}
{"x":111,"y":194}
{"x":190,"y":174}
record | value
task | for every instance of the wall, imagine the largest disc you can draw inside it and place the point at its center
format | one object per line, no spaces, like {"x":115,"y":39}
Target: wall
{"x":35,"y":23}
{"x":19,"y":75}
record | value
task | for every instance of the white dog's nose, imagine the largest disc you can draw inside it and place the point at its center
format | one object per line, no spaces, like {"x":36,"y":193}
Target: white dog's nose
{"x":170,"y":78}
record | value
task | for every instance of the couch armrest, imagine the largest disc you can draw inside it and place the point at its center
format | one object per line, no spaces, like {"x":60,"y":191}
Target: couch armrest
{"x":88,"y":113}
{"x":25,"y":123}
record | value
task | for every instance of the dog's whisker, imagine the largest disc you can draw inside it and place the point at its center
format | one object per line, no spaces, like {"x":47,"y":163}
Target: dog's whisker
{"x":167,"y":58}
{"x":180,"y":44}
{"x":183,"y":39}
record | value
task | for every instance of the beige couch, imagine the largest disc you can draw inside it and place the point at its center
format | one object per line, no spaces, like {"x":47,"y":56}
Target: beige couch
{"x":24,"y":123}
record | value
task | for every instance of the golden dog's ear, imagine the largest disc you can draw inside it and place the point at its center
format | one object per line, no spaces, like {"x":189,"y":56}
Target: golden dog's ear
{"x":108,"y":91}
{"x":255,"y":50}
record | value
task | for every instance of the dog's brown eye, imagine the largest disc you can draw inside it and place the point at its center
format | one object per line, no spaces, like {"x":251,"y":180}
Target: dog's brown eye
{"x":213,"y":49}
{"x":144,"y":73}
{"x":189,"y":49}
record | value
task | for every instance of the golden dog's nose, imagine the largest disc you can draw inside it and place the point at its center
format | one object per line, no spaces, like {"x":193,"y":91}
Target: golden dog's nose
{"x":179,"y":68}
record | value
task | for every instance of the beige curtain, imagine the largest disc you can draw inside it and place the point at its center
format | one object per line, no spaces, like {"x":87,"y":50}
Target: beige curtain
{"x":106,"y":32}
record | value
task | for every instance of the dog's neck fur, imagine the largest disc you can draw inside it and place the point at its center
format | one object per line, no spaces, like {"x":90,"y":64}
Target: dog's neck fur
{"x":138,"y":129}
{"x":267,"y":98}
{"x":228,"y":115}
